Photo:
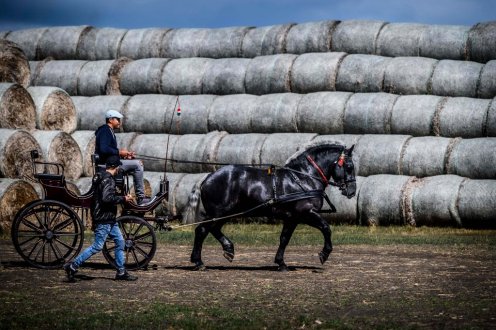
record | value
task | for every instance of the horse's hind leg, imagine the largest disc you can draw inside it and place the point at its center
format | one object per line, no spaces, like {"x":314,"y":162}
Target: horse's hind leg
{"x":316,"y":221}
{"x":201,"y":233}
{"x":286,"y":233}
{"x":226,"y":243}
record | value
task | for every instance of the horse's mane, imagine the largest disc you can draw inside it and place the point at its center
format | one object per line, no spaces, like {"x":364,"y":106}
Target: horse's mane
{"x":312,"y":146}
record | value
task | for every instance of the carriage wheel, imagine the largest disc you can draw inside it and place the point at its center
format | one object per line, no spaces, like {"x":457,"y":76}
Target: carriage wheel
{"x":140,"y":243}
{"x":47,"y":233}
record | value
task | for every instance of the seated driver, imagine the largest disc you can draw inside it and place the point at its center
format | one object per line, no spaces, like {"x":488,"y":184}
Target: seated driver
{"x":106,"y":146}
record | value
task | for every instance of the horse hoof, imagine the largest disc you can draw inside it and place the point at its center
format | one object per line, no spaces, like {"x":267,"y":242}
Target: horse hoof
{"x":200,"y":267}
{"x":283,"y":268}
{"x":323,"y":257}
{"x":229,"y":256}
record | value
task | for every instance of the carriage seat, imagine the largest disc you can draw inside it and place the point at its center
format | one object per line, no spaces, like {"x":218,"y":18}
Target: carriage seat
{"x":99,"y":168}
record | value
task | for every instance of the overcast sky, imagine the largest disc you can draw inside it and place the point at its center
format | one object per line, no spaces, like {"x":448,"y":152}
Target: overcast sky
{"x":18,"y":14}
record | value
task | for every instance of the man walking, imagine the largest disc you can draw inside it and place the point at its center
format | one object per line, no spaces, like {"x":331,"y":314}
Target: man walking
{"x":103,"y":212}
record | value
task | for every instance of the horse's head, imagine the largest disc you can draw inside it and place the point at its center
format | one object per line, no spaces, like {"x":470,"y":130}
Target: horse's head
{"x":343,"y":173}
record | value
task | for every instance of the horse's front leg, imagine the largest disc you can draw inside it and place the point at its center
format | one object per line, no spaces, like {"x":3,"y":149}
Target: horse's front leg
{"x":286,"y":233}
{"x":226,"y":243}
{"x":201,"y":233}
{"x":315,"y":220}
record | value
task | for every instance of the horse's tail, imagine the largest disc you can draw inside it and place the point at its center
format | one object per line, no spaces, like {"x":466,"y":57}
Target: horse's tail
{"x":193,"y":207}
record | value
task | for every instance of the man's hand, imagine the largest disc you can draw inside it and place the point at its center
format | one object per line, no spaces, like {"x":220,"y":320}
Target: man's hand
{"x":128,"y":198}
{"x":123,"y":153}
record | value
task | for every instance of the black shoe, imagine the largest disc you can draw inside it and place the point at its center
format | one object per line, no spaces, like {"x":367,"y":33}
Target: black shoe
{"x":143,"y":200}
{"x":70,"y":270}
{"x":125,"y":276}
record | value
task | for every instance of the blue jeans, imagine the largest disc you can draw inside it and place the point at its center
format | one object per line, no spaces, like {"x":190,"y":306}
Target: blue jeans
{"x":103,"y":231}
{"x":135,"y":168}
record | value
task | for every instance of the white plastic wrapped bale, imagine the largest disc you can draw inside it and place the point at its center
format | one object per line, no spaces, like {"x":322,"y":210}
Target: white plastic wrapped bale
{"x":487,"y":84}
{"x":106,"y":43}
{"x":275,"y":113}
{"x":361,"y":73}
{"x":369,"y":113}
{"x":223,"y":42}
{"x":409,"y":75}
{"x":86,"y":143}
{"x":142,"y":76}
{"x":399,"y":39}
{"x":322,"y":112}
{"x":194,"y":115}
{"x":381,"y":200}
{"x":14,"y":195}
{"x":142,"y":43}
{"x":17,"y":108}
{"x":315,"y":72}
{"x":476,"y":203}
{"x":35,"y":67}
{"x":240,"y":149}
{"x":279,"y":147}
{"x":15,"y":157}
{"x":61,"y":42}
{"x":491,"y":119}
{"x":182,"y":43}
{"x":59,"y":147}
{"x":269,"y":74}
{"x":456,"y":78}
{"x":28,"y":40}
{"x":346,"y":208}
{"x":464,"y":117}
{"x":14,"y":65}
{"x":54,"y":109}
{"x":184,"y":76}
{"x":154,"y":149}
{"x":267,"y":40}
{"x":232,"y":113}
{"x":62,"y":74}
{"x":415,"y":114}
{"x":444,"y":42}
{"x":225,"y":76}
{"x":182,"y":192}
{"x":346,"y":140}
{"x":91,"y":110}
{"x":481,"y":43}
{"x":148,"y":113}
{"x":310,"y":37}
{"x":473,"y":158}
{"x":425,"y":156}
{"x":356,"y":36}
{"x":101,"y":77}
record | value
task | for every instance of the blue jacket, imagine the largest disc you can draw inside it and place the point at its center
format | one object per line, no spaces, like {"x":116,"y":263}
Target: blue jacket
{"x":105,"y":144}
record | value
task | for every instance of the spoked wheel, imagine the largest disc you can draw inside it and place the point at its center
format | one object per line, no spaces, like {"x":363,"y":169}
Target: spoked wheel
{"x":47,"y":233}
{"x":140,"y":243}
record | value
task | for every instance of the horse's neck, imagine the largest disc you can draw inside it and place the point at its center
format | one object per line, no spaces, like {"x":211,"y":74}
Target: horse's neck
{"x":323,"y":159}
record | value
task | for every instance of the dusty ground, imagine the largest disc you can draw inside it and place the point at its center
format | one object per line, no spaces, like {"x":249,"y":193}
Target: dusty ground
{"x":401,"y":286}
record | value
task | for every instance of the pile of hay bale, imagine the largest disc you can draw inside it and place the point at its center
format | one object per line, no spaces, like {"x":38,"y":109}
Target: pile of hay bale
{"x":418,"y":102}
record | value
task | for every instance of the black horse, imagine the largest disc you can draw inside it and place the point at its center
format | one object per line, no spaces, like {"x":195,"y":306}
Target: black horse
{"x":293,"y":193}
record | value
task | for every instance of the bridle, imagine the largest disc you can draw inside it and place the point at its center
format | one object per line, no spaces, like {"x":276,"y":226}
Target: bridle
{"x":340,"y":162}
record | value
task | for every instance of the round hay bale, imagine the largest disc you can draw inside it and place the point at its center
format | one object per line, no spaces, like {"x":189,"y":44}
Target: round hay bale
{"x":444,"y":42}
{"x":399,"y":39}
{"x":369,"y":113}
{"x":433,"y":201}
{"x":487,"y":84}
{"x":91,"y":110}
{"x":184,"y":76}
{"x":414,"y":114}
{"x":315,"y":72}
{"x":481,"y":45}
{"x":476,"y":204}
{"x":240,"y":149}
{"x":275,"y":113}
{"x":310,"y":37}
{"x":86,"y":46}
{"x":269,"y":74}
{"x":101,"y":77}
{"x":125,"y":140}
{"x":322,"y":112}
{"x":381,"y":200}
{"x":86,"y":143}
{"x":152,"y":150}
{"x":416,"y":161}
{"x":456,"y":78}
{"x":232,"y":113}
{"x":28,"y":40}
{"x":14,"y":65}
{"x":14,"y":195}
{"x":15,"y":157}
{"x":148,"y":113}
{"x":409,"y":75}
{"x":84,"y":184}
{"x":194,"y":116}
{"x":279,"y":147}
{"x":183,"y":190}
{"x":356,"y":36}
{"x":473,"y":158}
{"x":62,"y":74}
{"x":379,"y":154}
{"x":196,"y":148}
{"x":60,"y":147}
{"x":60,"y":42}
{"x":267,"y":40}
{"x":35,"y":67}
{"x":108,"y":42}
{"x":153,"y":179}
{"x":4,"y":34}
{"x":361,"y":73}
{"x":464,"y":117}
{"x":346,"y":209}
{"x":142,"y":43}
{"x":54,"y":109}
{"x":223,"y":43}
{"x":17,"y":108}
{"x":180,"y":43}
{"x":225,"y":76}
{"x":491,"y":119}
{"x":344,"y":139}
{"x":142,"y":76}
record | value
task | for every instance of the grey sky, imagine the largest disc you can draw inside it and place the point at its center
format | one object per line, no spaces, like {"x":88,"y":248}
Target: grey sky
{"x":17,"y":14}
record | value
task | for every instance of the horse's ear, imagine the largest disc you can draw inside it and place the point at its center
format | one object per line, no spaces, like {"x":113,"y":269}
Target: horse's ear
{"x":349,"y":151}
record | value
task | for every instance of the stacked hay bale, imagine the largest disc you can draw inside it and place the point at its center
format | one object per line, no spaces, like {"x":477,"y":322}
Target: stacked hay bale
{"x":416,"y":100}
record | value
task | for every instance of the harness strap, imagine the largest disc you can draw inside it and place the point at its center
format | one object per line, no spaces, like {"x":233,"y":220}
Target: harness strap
{"x":319,"y":170}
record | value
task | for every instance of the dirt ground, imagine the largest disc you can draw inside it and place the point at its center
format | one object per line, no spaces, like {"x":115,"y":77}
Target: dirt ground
{"x":397,"y":286}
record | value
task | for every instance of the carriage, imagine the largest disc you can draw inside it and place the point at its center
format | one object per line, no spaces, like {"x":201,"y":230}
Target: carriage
{"x":50,"y":231}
